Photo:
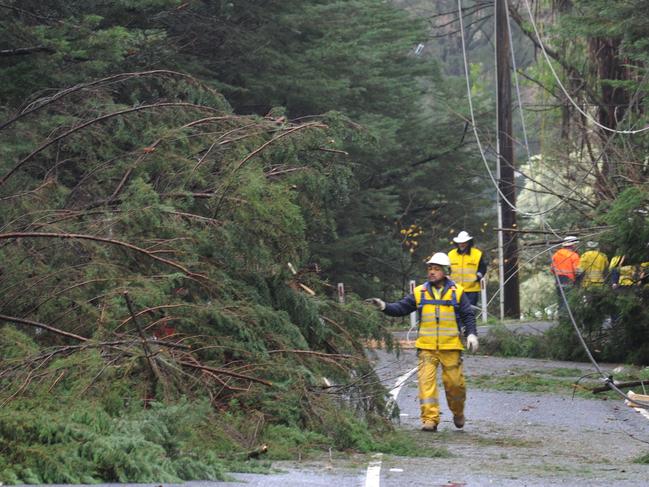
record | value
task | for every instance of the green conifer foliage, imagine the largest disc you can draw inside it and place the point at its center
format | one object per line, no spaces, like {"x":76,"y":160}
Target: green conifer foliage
{"x":195,"y":212}
{"x":615,"y":322}
{"x":124,"y":168}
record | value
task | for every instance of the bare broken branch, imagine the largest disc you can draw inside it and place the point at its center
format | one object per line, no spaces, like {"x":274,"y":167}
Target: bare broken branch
{"x":43,"y":326}
{"x":5,"y":236}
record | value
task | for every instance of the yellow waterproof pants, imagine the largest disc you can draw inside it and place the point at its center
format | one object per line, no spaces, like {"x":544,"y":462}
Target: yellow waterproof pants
{"x":452,"y":377}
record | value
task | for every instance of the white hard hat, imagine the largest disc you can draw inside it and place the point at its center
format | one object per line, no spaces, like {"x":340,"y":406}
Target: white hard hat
{"x":569,"y":241}
{"x":591,"y":244}
{"x":462,"y":237}
{"x":440,"y":258}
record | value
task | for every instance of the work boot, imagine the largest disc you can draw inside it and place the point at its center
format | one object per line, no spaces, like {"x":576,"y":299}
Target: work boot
{"x":429,"y":426}
{"x":458,"y":421}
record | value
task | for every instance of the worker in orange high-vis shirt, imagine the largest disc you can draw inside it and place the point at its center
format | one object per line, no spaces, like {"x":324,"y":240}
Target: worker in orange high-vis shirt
{"x":565,"y":266}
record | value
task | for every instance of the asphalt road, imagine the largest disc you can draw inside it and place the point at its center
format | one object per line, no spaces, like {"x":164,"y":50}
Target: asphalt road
{"x":523,"y":439}
{"x":510,"y":439}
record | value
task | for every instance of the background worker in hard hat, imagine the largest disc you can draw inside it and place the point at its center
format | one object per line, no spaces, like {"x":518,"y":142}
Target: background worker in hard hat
{"x":594,"y":265}
{"x":468,"y":266}
{"x":622,"y":277}
{"x":444,"y":310}
{"x":621,"y":273}
{"x":565,"y":266}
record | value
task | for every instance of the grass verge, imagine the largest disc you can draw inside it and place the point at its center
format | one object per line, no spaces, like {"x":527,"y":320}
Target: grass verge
{"x":536,"y":382}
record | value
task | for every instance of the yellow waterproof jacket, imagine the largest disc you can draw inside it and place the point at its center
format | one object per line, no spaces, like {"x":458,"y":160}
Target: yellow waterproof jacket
{"x":594,"y":265}
{"x":626,"y":271}
{"x":464,"y":268}
{"x":438,"y":327}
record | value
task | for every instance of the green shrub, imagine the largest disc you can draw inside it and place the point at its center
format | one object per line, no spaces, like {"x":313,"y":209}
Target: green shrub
{"x":85,"y":445}
{"x":287,"y":443}
{"x":642,"y":459}
{"x":507,"y":343}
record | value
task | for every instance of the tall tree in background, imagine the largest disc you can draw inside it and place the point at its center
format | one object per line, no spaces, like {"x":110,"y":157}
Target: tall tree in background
{"x":147,"y":182}
{"x":358,"y":57}
{"x":598,"y":46}
{"x":295,"y":59}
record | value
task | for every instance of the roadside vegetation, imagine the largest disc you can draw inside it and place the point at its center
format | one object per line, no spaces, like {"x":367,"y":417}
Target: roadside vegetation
{"x":612,"y":321}
{"x":183,"y":184}
{"x":538,"y":382}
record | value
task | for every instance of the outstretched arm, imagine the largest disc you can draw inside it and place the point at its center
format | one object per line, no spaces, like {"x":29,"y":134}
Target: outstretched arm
{"x":401,"y":308}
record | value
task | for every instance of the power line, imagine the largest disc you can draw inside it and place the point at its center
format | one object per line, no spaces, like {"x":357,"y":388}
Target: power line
{"x":608,"y":380}
{"x":563,"y":88}
{"x":477,"y":136}
{"x":471,"y":112}
{"x":522,"y":115}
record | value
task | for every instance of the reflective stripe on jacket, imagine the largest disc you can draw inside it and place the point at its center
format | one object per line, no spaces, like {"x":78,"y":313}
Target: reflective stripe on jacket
{"x":565,"y":262}
{"x":464,"y":312}
{"x":594,"y":265}
{"x":464,"y":269}
{"x":438,"y":326}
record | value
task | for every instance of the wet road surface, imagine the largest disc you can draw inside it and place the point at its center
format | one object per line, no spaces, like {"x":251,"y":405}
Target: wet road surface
{"x":511,"y":438}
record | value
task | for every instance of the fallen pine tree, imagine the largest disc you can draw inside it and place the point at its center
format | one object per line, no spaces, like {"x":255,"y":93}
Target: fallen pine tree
{"x":151,"y":330}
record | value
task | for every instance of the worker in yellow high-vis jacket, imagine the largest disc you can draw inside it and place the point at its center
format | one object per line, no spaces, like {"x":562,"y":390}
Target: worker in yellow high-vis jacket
{"x":620,"y":273}
{"x":444,"y":313}
{"x":593,"y":265}
{"x":468,"y":266}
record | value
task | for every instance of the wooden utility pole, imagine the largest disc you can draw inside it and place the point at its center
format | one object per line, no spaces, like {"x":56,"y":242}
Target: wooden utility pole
{"x":506,"y":171}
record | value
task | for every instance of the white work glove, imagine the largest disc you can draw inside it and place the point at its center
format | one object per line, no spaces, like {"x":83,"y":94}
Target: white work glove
{"x":472,"y":343}
{"x":377,"y":303}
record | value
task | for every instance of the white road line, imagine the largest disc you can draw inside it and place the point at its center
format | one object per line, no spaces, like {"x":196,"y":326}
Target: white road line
{"x":373,"y":477}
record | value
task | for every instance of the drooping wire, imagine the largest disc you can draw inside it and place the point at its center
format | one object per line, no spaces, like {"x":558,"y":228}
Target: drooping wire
{"x":539,"y":213}
{"x":523,"y":126}
{"x":544,"y":223}
{"x":534,"y":257}
{"x":477,"y":136}
{"x":608,"y":381}
{"x":563,"y":88}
